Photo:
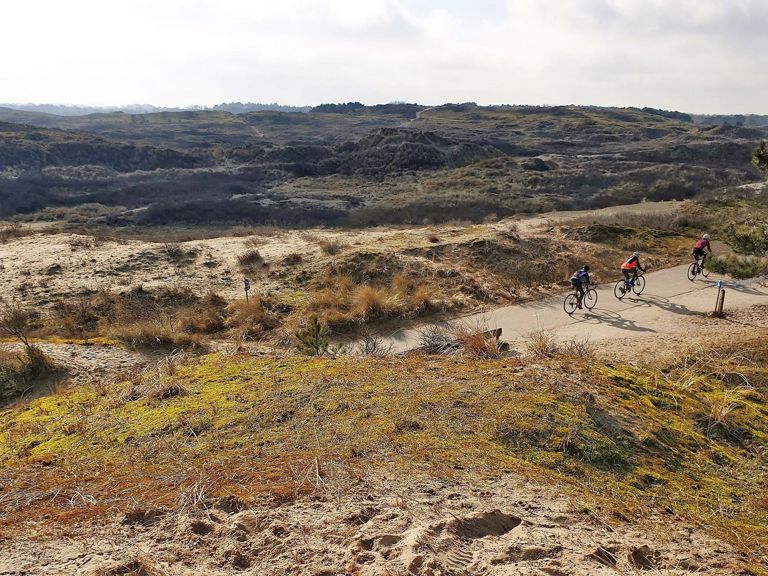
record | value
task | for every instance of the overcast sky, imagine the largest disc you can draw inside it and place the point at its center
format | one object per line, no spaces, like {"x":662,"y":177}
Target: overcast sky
{"x":692,"y":55}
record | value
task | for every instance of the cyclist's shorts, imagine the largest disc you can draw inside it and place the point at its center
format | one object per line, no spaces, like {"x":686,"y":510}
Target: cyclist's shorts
{"x":699,"y":253}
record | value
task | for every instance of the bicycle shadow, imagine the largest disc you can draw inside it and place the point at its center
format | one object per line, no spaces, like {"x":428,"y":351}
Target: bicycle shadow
{"x":665,"y":304}
{"x":733,"y":285}
{"x":601,"y":316}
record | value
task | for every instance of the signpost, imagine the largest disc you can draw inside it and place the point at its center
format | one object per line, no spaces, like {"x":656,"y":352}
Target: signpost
{"x":247,"y":287}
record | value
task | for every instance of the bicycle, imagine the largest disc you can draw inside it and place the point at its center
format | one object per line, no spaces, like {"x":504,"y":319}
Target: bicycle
{"x":624,"y":287}
{"x":696,"y":268}
{"x":571,"y":302}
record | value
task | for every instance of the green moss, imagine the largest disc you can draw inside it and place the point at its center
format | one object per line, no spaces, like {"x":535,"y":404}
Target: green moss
{"x":249,"y":424}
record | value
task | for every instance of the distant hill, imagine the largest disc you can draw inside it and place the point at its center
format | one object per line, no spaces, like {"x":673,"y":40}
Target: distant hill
{"x":746,"y":120}
{"x":355,"y":164}
{"x":74,"y":110}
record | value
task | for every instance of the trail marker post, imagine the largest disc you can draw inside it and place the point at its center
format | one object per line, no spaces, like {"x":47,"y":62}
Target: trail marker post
{"x":246,"y":287}
{"x":720,"y":299}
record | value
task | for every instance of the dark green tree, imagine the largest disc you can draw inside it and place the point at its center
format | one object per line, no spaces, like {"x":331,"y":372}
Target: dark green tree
{"x":760,"y":157}
{"x":313,"y":340}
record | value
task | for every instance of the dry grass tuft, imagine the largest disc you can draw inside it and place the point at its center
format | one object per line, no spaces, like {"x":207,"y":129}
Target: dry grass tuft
{"x":250,"y":259}
{"x":371,"y":303}
{"x":477,"y":341}
{"x":158,"y":383}
{"x":331,"y":247}
{"x":252,"y":319}
{"x":542,"y":344}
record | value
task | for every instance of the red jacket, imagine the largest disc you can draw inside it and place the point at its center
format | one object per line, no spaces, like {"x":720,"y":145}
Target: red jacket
{"x":701,"y":244}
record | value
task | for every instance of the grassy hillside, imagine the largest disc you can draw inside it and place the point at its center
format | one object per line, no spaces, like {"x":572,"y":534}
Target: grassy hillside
{"x":685,"y":439}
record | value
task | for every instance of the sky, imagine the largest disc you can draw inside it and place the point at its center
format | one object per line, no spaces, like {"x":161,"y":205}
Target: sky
{"x":699,"y":56}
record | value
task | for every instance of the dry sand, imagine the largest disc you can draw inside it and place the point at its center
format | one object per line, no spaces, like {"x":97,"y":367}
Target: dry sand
{"x":383,"y":528}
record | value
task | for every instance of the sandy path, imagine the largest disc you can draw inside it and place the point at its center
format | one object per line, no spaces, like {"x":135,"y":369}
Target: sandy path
{"x":668,"y":296}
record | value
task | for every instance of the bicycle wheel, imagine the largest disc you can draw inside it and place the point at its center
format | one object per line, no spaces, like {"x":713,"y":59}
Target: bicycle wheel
{"x":639,"y":285}
{"x":704,"y":271}
{"x":570,"y":304}
{"x":693,"y":269}
{"x":590,"y":298}
{"x":620,"y":290}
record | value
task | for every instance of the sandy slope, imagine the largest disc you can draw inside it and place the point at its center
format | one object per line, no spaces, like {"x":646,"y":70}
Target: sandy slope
{"x":384,"y":528}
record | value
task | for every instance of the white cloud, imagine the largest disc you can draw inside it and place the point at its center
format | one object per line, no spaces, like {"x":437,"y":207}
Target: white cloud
{"x":696,"y":55}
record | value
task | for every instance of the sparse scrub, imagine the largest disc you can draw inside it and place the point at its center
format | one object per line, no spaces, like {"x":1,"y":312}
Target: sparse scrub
{"x":619,"y":437}
{"x":154,"y":335}
{"x":436,"y":339}
{"x":373,"y":345}
{"x":11,"y":231}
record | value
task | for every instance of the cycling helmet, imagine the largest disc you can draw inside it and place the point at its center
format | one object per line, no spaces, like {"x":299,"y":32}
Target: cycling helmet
{"x":706,"y":236}
{"x":635,"y":254}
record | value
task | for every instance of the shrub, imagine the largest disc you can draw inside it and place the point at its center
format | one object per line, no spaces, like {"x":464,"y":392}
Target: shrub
{"x":293,"y":259}
{"x":578,"y":347}
{"x":313,"y":340}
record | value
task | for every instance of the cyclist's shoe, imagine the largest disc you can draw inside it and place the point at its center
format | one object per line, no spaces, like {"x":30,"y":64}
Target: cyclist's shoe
{"x":580,"y":307}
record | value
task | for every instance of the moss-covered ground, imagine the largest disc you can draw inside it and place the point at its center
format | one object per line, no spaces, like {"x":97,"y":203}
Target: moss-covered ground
{"x":687,"y":439}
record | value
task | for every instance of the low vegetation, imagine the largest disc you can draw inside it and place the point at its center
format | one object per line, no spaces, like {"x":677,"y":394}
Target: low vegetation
{"x":686,"y":438}
{"x":740,"y":267}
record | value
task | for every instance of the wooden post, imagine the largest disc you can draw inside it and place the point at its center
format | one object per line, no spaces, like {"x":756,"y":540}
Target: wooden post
{"x":246,"y":286}
{"x":720,"y":299}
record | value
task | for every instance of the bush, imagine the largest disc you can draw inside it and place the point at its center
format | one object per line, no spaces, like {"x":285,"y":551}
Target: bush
{"x":373,"y":345}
